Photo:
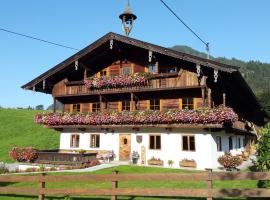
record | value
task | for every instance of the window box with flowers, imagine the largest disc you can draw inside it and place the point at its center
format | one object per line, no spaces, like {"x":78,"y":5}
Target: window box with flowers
{"x":155,"y":161}
{"x":188,"y":163}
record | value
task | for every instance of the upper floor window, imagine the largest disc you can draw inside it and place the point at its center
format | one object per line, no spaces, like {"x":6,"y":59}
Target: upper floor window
{"x":103,"y":72}
{"x":155,"y":142}
{"x":188,"y":143}
{"x":188,"y":103}
{"x":95,"y":141}
{"x":96,"y":107}
{"x":75,"y":141}
{"x":126,"y":71}
{"x":219,"y":143}
{"x":152,"y":69}
{"x":155,"y":104}
{"x":126,"y":105}
{"x":76,"y":107}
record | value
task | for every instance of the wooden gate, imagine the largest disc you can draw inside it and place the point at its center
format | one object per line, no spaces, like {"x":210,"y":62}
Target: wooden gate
{"x":124,"y":146}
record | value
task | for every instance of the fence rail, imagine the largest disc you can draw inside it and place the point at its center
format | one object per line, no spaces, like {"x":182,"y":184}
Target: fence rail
{"x":208,"y":177}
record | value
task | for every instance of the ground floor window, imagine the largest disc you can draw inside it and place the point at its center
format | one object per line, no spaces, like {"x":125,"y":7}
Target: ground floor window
{"x":76,"y":107}
{"x":187,"y":103}
{"x":188,"y":143}
{"x":155,"y":104}
{"x":96,"y":107}
{"x":230,"y":143}
{"x":239,"y":143}
{"x":219,"y":143}
{"x":155,"y":142}
{"x":126,"y":105}
{"x":75,"y":141}
{"x":95,"y":141}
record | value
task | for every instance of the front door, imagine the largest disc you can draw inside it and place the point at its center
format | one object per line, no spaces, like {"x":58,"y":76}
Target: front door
{"x":125,"y":147}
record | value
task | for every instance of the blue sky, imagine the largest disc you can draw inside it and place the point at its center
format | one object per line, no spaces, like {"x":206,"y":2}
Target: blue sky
{"x":237,"y":29}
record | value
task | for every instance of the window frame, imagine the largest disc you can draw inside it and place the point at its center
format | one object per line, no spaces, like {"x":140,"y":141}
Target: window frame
{"x":125,"y":105}
{"x":153,"y":104}
{"x":230,"y":143}
{"x":155,"y":142}
{"x":75,"y":143}
{"x":188,"y":143}
{"x":219,"y":143}
{"x":126,"y":67}
{"x":95,"y":108}
{"x":189,"y":103}
{"x":94,"y":142}
{"x":76,"y":105}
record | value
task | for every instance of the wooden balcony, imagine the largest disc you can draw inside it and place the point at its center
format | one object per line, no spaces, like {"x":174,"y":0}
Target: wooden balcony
{"x":166,"y":81}
{"x":55,"y":157}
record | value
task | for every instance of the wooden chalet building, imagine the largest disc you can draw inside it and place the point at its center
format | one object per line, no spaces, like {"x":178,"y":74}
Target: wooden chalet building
{"x":127,"y":95}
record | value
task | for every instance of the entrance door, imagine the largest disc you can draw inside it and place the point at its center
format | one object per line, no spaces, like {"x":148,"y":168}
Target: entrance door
{"x":125,"y":147}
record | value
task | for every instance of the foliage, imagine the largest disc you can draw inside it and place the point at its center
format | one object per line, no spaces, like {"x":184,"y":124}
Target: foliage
{"x":58,"y":106}
{"x":17,"y":129}
{"x":254,"y":72}
{"x":218,"y":115}
{"x":138,"y":79}
{"x":170,"y":162}
{"x":229,"y":161}
{"x":26,"y":154}
{"x":3,"y":169}
{"x":40,"y":107}
{"x":263,"y":158}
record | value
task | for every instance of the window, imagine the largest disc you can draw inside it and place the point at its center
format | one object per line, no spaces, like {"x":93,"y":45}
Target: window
{"x":96,"y":107}
{"x":219,"y":144}
{"x":239,"y":143}
{"x":187,"y":103}
{"x":155,"y":104}
{"x":76,"y":107}
{"x":188,"y":143}
{"x":126,"y":71}
{"x":155,"y":142}
{"x":94,"y":141}
{"x":126,"y":105}
{"x":75,"y":141}
{"x":103,"y":72}
{"x":152,"y":69}
{"x":230,"y":143}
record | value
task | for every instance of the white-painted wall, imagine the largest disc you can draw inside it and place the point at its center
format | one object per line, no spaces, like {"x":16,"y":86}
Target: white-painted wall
{"x":206,"y":153}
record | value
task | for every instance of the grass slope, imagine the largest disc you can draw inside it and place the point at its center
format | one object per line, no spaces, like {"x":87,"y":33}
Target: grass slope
{"x":17,"y":128}
{"x":131,"y":184}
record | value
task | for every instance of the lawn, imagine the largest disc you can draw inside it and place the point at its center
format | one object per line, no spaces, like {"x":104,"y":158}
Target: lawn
{"x":17,"y":128}
{"x":133,"y":184}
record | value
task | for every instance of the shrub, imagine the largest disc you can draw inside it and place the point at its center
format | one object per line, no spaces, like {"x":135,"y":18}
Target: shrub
{"x":26,"y":154}
{"x":229,"y":162}
{"x":3,"y":169}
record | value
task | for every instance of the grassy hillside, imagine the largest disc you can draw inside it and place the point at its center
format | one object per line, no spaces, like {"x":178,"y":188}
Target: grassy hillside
{"x":18,"y":129}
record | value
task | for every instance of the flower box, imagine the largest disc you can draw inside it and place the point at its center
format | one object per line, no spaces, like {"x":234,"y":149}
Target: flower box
{"x":155,"y":162}
{"x":188,"y":163}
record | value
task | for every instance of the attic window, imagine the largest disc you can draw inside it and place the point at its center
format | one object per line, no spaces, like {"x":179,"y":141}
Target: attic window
{"x":126,"y":71}
{"x":152,"y":69}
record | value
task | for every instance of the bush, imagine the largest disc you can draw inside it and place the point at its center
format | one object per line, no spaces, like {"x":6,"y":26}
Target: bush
{"x":3,"y":169}
{"x":27,"y":154}
{"x":229,"y":162}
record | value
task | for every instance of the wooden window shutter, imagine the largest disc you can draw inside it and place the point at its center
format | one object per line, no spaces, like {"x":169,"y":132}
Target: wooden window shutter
{"x":108,"y":71}
{"x":180,"y":104}
{"x":161,"y":104}
{"x":71,"y":108}
{"x":131,"y":105}
{"x":81,"y":105}
{"x":145,"y":69}
{"x":132,"y":68}
{"x":119,"y":106}
{"x":194,"y":103}
{"x":148,"y":104}
{"x":90,"y":107}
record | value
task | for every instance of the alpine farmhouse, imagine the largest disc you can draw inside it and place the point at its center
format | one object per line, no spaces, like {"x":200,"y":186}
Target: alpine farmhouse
{"x":132,"y":97}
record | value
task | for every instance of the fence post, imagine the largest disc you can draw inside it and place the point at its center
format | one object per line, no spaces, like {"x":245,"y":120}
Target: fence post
{"x":114,"y":185}
{"x":41,"y":196}
{"x":209,"y":183}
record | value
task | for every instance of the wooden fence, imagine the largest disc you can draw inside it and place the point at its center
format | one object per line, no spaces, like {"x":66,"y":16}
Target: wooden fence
{"x":208,"y":177}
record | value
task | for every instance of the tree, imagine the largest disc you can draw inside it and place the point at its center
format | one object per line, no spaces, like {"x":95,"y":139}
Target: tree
{"x":39,"y":107}
{"x":263,"y":158}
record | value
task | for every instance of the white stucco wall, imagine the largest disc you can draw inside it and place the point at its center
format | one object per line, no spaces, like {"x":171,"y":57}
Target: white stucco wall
{"x":205,"y":155}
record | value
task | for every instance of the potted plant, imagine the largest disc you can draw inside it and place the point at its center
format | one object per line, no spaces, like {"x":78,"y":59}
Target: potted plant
{"x":155,"y":161}
{"x":188,"y":163}
{"x":170,"y":163}
{"x":135,"y":156}
{"x":230,"y":162}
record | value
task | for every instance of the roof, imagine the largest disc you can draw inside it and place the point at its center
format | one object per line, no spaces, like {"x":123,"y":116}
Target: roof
{"x":133,"y":42}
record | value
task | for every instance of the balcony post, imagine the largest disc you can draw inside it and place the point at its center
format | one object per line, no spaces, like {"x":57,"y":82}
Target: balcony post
{"x":132,"y":102}
{"x":203,"y":96}
{"x":54,"y":104}
{"x":209,"y":98}
{"x":224,"y":99}
{"x":100,"y":103}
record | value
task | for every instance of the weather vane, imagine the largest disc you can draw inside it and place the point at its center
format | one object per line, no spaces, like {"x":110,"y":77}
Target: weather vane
{"x":127,"y":18}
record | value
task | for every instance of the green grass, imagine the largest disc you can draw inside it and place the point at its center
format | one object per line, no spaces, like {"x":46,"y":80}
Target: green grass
{"x":17,"y":128}
{"x":132,"y":184}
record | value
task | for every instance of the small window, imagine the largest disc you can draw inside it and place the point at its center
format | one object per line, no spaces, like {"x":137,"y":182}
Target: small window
{"x":103,"y":72}
{"x":188,"y":143}
{"x":96,"y":107}
{"x":230,"y":143}
{"x":239,"y":143}
{"x":75,"y":141}
{"x":152,"y":69}
{"x":94,"y":141}
{"x":155,"y":142}
{"x":187,"y":103}
{"x":219,"y":143}
{"x":126,"y":105}
{"x":125,"y":141}
{"x":76,"y":107}
{"x":155,"y":104}
{"x":126,"y":71}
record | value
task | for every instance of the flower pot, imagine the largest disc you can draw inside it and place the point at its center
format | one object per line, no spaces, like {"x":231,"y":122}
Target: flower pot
{"x":188,"y":163}
{"x":134,"y":161}
{"x":155,"y":162}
